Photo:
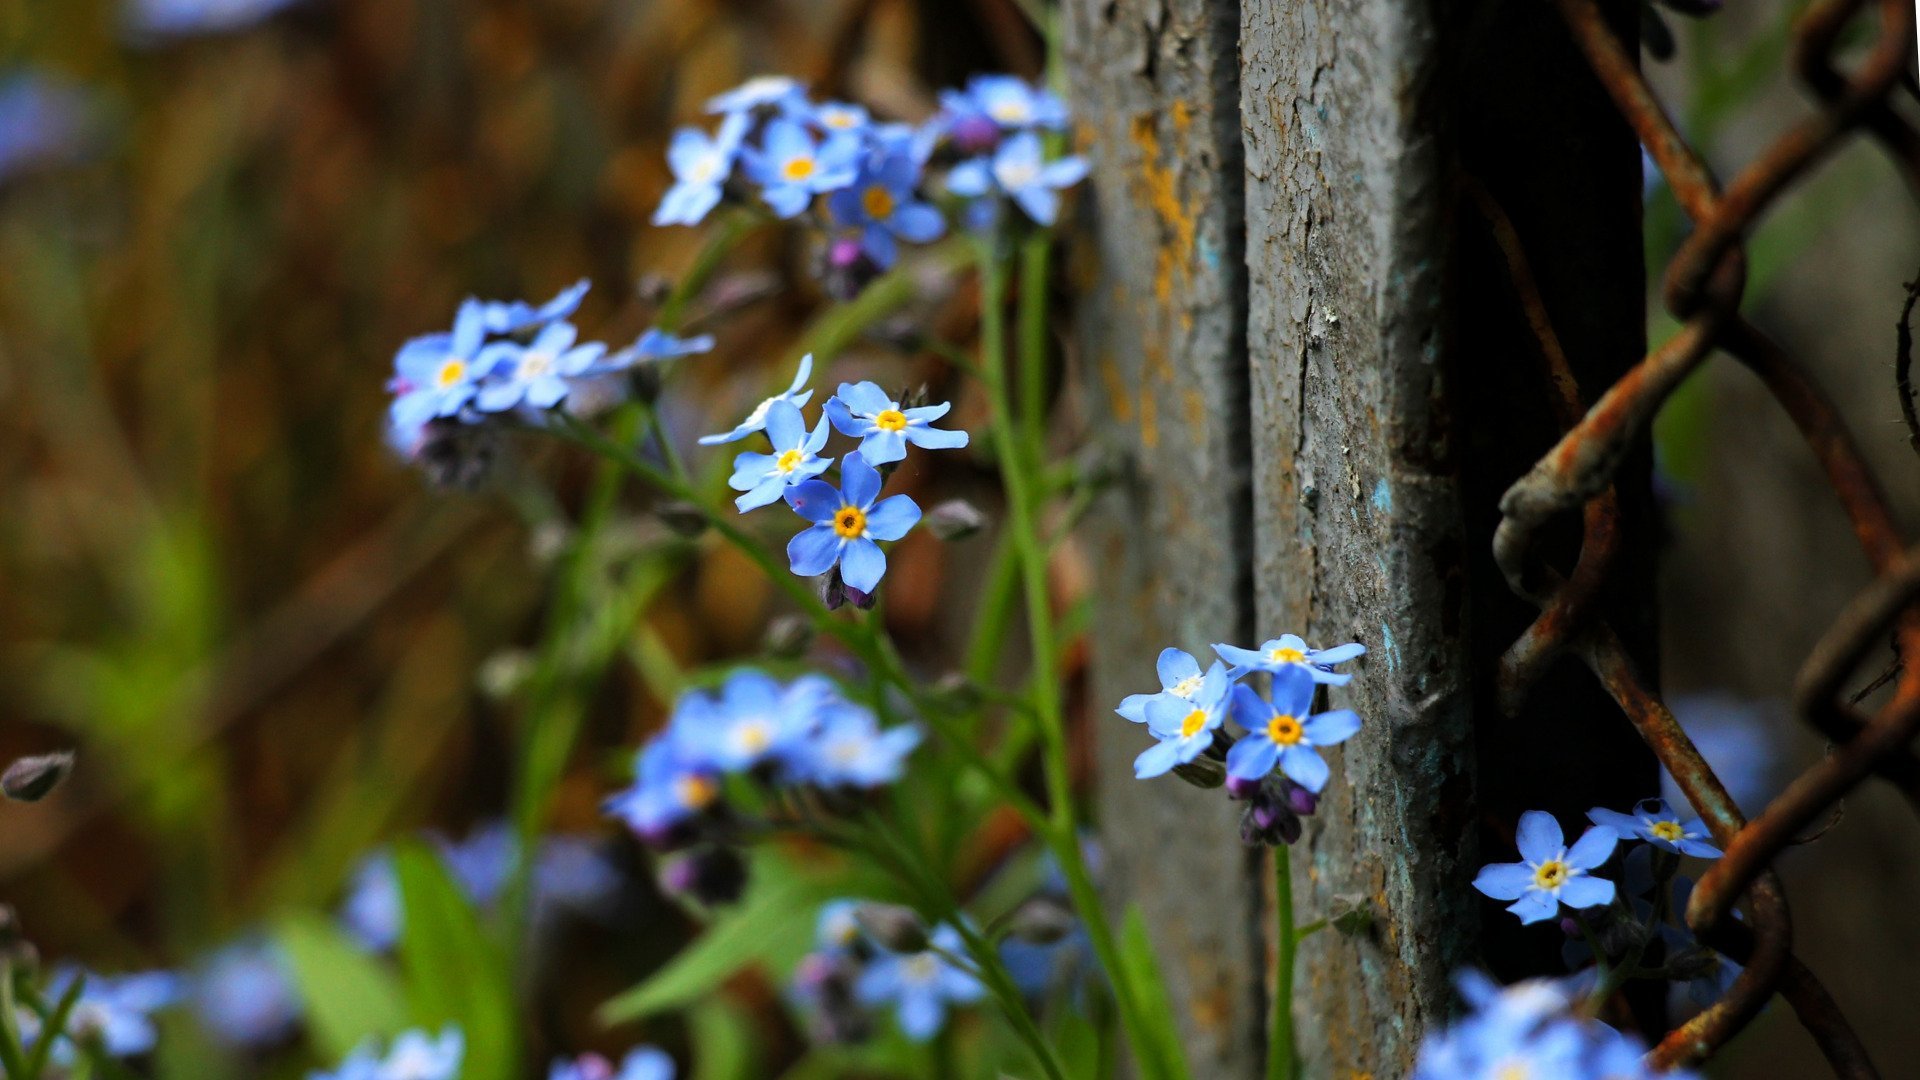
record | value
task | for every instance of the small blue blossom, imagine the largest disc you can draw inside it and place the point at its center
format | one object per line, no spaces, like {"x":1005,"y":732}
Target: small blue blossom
{"x":1184,"y":726}
{"x":701,"y":165}
{"x":791,"y":168}
{"x":653,"y":346}
{"x":846,"y":524}
{"x":836,"y":930}
{"x":372,"y":910}
{"x":437,"y":374}
{"x":1550,"y":873}
{"x":761,"y":90}
{"x":752,"y":720}
{"x":671,"y":785}
{"x":362,"y":1064}
{"x":1280,"y":732}
{"x":511,"y":317}
{"x":1180,"y":677}
{"x":1019,"y":169}
{"x":536,"y":374}
{"x":179,"y":18}
{"x":1009,"y":101}
{"x":882,"y":205}
{"x":840,"y":118}
{"x":1655,"y":822}
{"x":641,"y":1063}
{"x":245,"y":996}
{"x":865,"y":412}
{"x":1532,"y":1030}
{"x":795,"y":458}
{"x":850,"y":750}
{"x":757,"y":419}
{"x":115,"y":1010}
{"x":1288,"y":651}
{"x":415,"y":1055}
{"x":41,"y":121}
{"x":921,"y":986}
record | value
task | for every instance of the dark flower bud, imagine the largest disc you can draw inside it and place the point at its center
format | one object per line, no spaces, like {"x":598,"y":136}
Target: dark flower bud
{"x":457,"y":457}
{"x":1353,"y":915}
{"x":1202,"y":772}
{"x":788,"y":636}
{"x":836,"y":593}
{"x":1042,"y":920}
{"x":682,"y":517}
{"x":1299,"y":799}
{"x":643,"y":382}
{"x":1268,"y":820}
{"x":710,"y":876}
{"x":827,"y":982}
{"x":653,"y":288}
{"x":847,"y":269}
{"x":958,"y":691}
{"x":892,"y":926}
{"x":1238,"y":788}
{"x":31,"y":779}
{"x":955,"y":519}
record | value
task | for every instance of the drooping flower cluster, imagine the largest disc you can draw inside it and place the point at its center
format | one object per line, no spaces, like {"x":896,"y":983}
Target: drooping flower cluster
{"x":849,"y":521}
{"x":413,"y":1055}
{"x":1530,"y":1029}
{"x":775,"y":146}
{"x":508,"y":360}
{"x":801,"y":735}
{"x":1276,"y":764}
{"x":873,"y":959}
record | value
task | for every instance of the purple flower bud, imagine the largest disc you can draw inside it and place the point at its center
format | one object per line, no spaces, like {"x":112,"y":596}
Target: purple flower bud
{"x":1242,"y":788}
{"x":974,"y":134}
{"x":1299,"y":799}
{"x":710,"y":876}
{"x":849,"y":269}
{"x":837,"y":594}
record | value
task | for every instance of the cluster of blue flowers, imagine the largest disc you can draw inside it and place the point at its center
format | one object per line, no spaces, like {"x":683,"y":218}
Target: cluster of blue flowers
{"x":511,"y":360}
{"x":798,"y":735}
{"x":848,"y":521}
{"x":851,"y":977}
{"x":872,"y":176}
{"x":1530,"y":1029}
{"x":1276,"y":765}
{"x":413,"y":1055}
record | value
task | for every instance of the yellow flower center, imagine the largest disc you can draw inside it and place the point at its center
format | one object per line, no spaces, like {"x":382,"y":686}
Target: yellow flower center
{"x":878,"y":202}
{"x":752,"y":736}
{"x":1010,"y":112}
{"x":840,"y":118}
{"x":850,"y":522}
{"x":1185,"y":687}
{"x":450,"y":374}
{"x":788,"y":461}
{"x":1551,"y":874}
{"x":696,"y":792}
{"x":1284,"y":730}
{"x":1285,"y":655}
{"x":1193,"y":724}
{"x":922,"y":967}
{"x":1518,"y":1070}
{"x":797,"y":169}
{"x":890,"y":420}
{"x":535,"y":364}
{"x":1670,"y":831}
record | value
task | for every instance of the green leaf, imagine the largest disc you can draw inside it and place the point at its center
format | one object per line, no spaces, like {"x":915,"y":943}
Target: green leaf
{"x":349,"y":995}
{"x":723,"y":1041}
{"x":1156,"y":1012}
{"x":455,"y":971}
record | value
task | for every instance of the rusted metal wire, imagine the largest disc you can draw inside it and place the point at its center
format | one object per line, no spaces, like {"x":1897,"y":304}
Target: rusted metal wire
{"x":1703,"y":288}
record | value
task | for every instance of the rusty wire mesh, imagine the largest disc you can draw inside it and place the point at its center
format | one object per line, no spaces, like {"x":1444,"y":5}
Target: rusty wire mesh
{"x":1703,"y":289}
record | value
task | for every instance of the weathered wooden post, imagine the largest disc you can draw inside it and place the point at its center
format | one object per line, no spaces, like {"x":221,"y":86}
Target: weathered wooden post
{"x":1299,"y":330}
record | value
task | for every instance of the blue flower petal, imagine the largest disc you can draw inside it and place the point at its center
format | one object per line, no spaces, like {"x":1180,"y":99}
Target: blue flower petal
{"x":814,"y":550}
{"x":862,"y":564}
{"x":1538,"y":836}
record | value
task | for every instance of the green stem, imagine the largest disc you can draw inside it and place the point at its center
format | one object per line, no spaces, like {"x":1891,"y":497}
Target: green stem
{"x":10,"y":1049}
{"x":1280,"y":1049}
{"x":733,"y":228}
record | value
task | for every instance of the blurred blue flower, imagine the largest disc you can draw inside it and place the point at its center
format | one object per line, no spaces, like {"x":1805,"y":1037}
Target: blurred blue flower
{"x":641,"y":1063}
{"x":848,"y":748}
{"x":1185,"y":726}
{"x":882,"y":204}
{"x":1009,"y":101}
{"x":839,"y":118}
{"x":653,"y":346}
{"x":245,"y":996}
{"x":836,"y":930}
{"x":372,"y":910}
{"x":1531,"y":1029}
{"x":41,"y":121}
{"x":701,"y":165}
{"x":536,"y":374}
{"x":1019,"y":169}
{"x":795,"y":458}
{"x":415,"y":1055}
{"x":1180,"y":677}
{"x":753,"y":719}
{"x":513,"y":316}
{"x":791,"y":168}
{"x":775,"y":90}
{"x":1739,"y":737}
{"x":865,"y":412}
{"x":920,"y":987}
{"x":1550,"y":873}
{"x":436,"y":374}
{"x":362,"y":1064}
{"x":1655,"y":822}
{"x":757,"y":419}
{"x":846,"y":524}
{"x":671,"y":786}
{"x":114,"y":1010}
{"x":171,"y":18}
{"x":1288,"y":650}
{"x":1281,"y":731}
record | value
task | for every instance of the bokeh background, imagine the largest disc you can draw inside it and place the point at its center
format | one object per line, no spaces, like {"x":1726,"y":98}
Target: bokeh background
{"x":276,"y":647}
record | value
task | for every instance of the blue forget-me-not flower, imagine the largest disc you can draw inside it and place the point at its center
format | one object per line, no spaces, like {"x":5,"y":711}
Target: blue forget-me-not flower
{"x":1288,"y":650}
{"x":920,"y":986}
{"x":437,"y":374}
{"x":671,"y":786}
{"x":1655,"y":822}
{"x":1180,"y":677}
{"x":116,"y":1011}
{"x":1184,"y":726}
{"x":757,"y":419}
{"x":849,"y":749}
{"x":753,"y":719}
{"x":641,"y":1063}
{"x":846,"y":523}
{"x":1530,"y":1030}
{"x":513,"y":316}
{"x":882,"y":204}
{"x":761,"y":90}
{"x":536,"y":374}
{"x":701,"y":165}
{"x":865,"y":412}
{"x":791,"y":167}
{"x":1550,"y":873}
{"x":795,"y":458}
{"x":1010,"y":101}
{"x":1280,"y":731}
{"x":1019,"y":169}
{"x":244,"y":994}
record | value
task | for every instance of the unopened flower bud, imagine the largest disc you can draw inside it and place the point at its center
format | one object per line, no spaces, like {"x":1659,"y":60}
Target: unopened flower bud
{"x":1042,"y":920}
{"x":974,"y":135}
{"x":31,"y":779}
{"x":958,"y":690}
{"x":788,"y":636}
{"x":1299,"y":799}
{"x":457,"y":457}
{"x":955,"y":519}
{"x":892,"y":926}
{"x":682,"y":517}
{"x":710,"y":876}
{"x":1267,"y":822}
{"x":836,"y":593}
{"x":848,"y":268}
{"x":1241,"y":788}
{"x":826,"y":981}
{"x":653,"y":288}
